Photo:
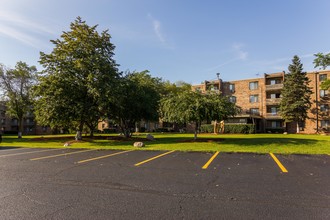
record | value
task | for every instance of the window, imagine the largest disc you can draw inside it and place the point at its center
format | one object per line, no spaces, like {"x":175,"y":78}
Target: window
{"x":276,"y":124}
{"x":323,"y":93}
{"x":273,"y":81}
{"x":253,"y":98}
{"x":253,"y":85}
{"x":323,"y":77}
{"x":324,"y":107}
{"x":325,"y":123}
{"x":254,"y":111}
{"x":232,"y":99}
{"x":273,"y":110}
{"x":232,"y":87}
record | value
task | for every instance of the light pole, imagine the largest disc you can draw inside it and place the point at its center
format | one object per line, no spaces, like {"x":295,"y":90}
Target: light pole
{"x":316,"y":102}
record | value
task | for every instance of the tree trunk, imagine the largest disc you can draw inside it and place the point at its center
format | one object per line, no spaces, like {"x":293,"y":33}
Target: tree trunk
{"x":196,"y":131}
{"x":20,"y":127}
{"x":127,"y":133}
{"x":91,"y":133}
{"x":298,"y":130}
{"x":79,"y":132}
{"x":215,"y":130}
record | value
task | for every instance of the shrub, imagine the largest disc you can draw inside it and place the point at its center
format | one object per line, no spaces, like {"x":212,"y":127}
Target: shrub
{"x":161,"y":130}
{"x":239,"y":129}
{"x":275,"y":130}
{"x":207,"y":128}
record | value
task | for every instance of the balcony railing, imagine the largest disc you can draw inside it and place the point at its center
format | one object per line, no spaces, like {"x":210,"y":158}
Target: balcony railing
{"x":274,"y":87}
{"x":273,"y":101}
{"x":273,"y":115}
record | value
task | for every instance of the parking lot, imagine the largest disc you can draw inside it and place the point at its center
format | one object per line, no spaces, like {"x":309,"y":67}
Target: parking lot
{"x":106,"y":184}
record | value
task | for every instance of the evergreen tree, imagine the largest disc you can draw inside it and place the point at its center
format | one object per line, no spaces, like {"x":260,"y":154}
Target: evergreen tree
{"x":295,"y":101}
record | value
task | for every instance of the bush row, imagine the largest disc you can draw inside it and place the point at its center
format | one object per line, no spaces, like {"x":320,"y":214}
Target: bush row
{"x":231,"y":128}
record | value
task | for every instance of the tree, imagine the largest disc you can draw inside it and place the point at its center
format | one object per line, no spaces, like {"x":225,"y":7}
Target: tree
{"x":295,"y":101}
{"x":16,"y":84}
{"x":79,"y":77}
{"x":137,"y":99}
{"x":190,"y":106}
{"x":323,"y":61}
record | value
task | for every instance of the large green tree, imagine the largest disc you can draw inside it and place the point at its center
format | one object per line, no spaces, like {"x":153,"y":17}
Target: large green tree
{"x":78,"y":79}
{"x":137,"y":99}
{"x":16,"y":84}
{"x":190,"y":106}
{"x":323,"y":61}
{"x":296,"y":94}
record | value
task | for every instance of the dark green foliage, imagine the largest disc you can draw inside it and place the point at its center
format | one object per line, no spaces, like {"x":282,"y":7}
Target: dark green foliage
{"x":80,"y":75}
{"x":207,"y":128}
{"x":275,"y":130}
{"x":189,"y":106}
{"x":239,"y":129}
{"x":16,"y":84}
{"x":137,"y":99}
{"x":230,"y":128}
{"x":295,"y":101}
{"x":323,"y":61}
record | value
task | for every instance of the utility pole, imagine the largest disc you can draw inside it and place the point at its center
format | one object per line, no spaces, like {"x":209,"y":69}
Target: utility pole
{"x":316,"y":102}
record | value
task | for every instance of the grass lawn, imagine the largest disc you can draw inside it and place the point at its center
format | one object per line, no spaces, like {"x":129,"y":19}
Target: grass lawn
{"x":252,"y":143}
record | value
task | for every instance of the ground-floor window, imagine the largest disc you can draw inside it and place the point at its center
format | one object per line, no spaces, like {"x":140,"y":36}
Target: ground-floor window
{"x":325,"y":124}
{"x":274,"y":124}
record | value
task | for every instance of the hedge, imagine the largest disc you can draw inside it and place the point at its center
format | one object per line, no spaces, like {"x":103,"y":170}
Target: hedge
{"x":231,"y":128}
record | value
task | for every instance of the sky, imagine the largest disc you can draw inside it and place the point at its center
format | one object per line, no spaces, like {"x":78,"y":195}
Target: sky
{"x":177,"y":40}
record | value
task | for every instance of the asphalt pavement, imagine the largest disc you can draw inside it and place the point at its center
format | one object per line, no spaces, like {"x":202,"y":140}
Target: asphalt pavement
{"x":106,"y":184}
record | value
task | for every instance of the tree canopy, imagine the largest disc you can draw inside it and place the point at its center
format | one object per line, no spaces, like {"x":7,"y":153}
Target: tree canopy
{"x":16,"y":84}
{"x":323,"y":61}
{"x":295,"y":101}
{"x":190,"y":106}
{"x":137,"y":99}
{"x":79,"y":76}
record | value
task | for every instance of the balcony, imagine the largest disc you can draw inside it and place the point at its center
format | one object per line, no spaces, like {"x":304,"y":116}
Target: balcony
{"x":274,"y":87}
{"x":275,"y":101}
{"x":273,"y":115}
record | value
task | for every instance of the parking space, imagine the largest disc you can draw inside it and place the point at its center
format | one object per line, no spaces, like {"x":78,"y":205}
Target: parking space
{"x":55,"y":183}
{"x":174,"y":159}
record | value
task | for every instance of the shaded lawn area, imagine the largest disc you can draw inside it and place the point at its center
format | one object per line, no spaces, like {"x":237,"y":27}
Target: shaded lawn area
{"x":252,"y":143}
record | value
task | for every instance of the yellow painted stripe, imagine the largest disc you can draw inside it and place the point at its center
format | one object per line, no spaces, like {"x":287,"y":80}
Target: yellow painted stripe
{"x":284,"y":170}
{"x":59,"y":155}
{"x":153,"y":158}
{"x":210,"y":160}
{"x":105,"y":156}
{"x":30,"y":152}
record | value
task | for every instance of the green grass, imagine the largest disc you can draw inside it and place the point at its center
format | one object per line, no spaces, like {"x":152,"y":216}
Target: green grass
{"x":252,"y":143}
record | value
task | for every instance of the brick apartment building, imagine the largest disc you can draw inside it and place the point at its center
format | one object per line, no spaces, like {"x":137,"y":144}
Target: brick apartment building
{"x":10,"y":125}
{"x":259,"y":99}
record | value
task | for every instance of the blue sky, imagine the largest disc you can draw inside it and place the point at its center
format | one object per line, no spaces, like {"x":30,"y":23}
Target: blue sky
{"x":177,"y":39}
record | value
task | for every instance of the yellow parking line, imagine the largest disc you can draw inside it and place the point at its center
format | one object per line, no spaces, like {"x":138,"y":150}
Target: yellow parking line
{"x":105,"y":156}
{"x":153,"y":158}
{"x":210,"y":160}
{"x":284,"y":170}
{"x":58,"y":155}
{"x":30,"y":152}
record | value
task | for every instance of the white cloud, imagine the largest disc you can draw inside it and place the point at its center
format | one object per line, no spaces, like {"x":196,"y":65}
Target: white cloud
{"x":22,"y":29}
{"x":240,"y":53}
{"x":157,"y":28}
